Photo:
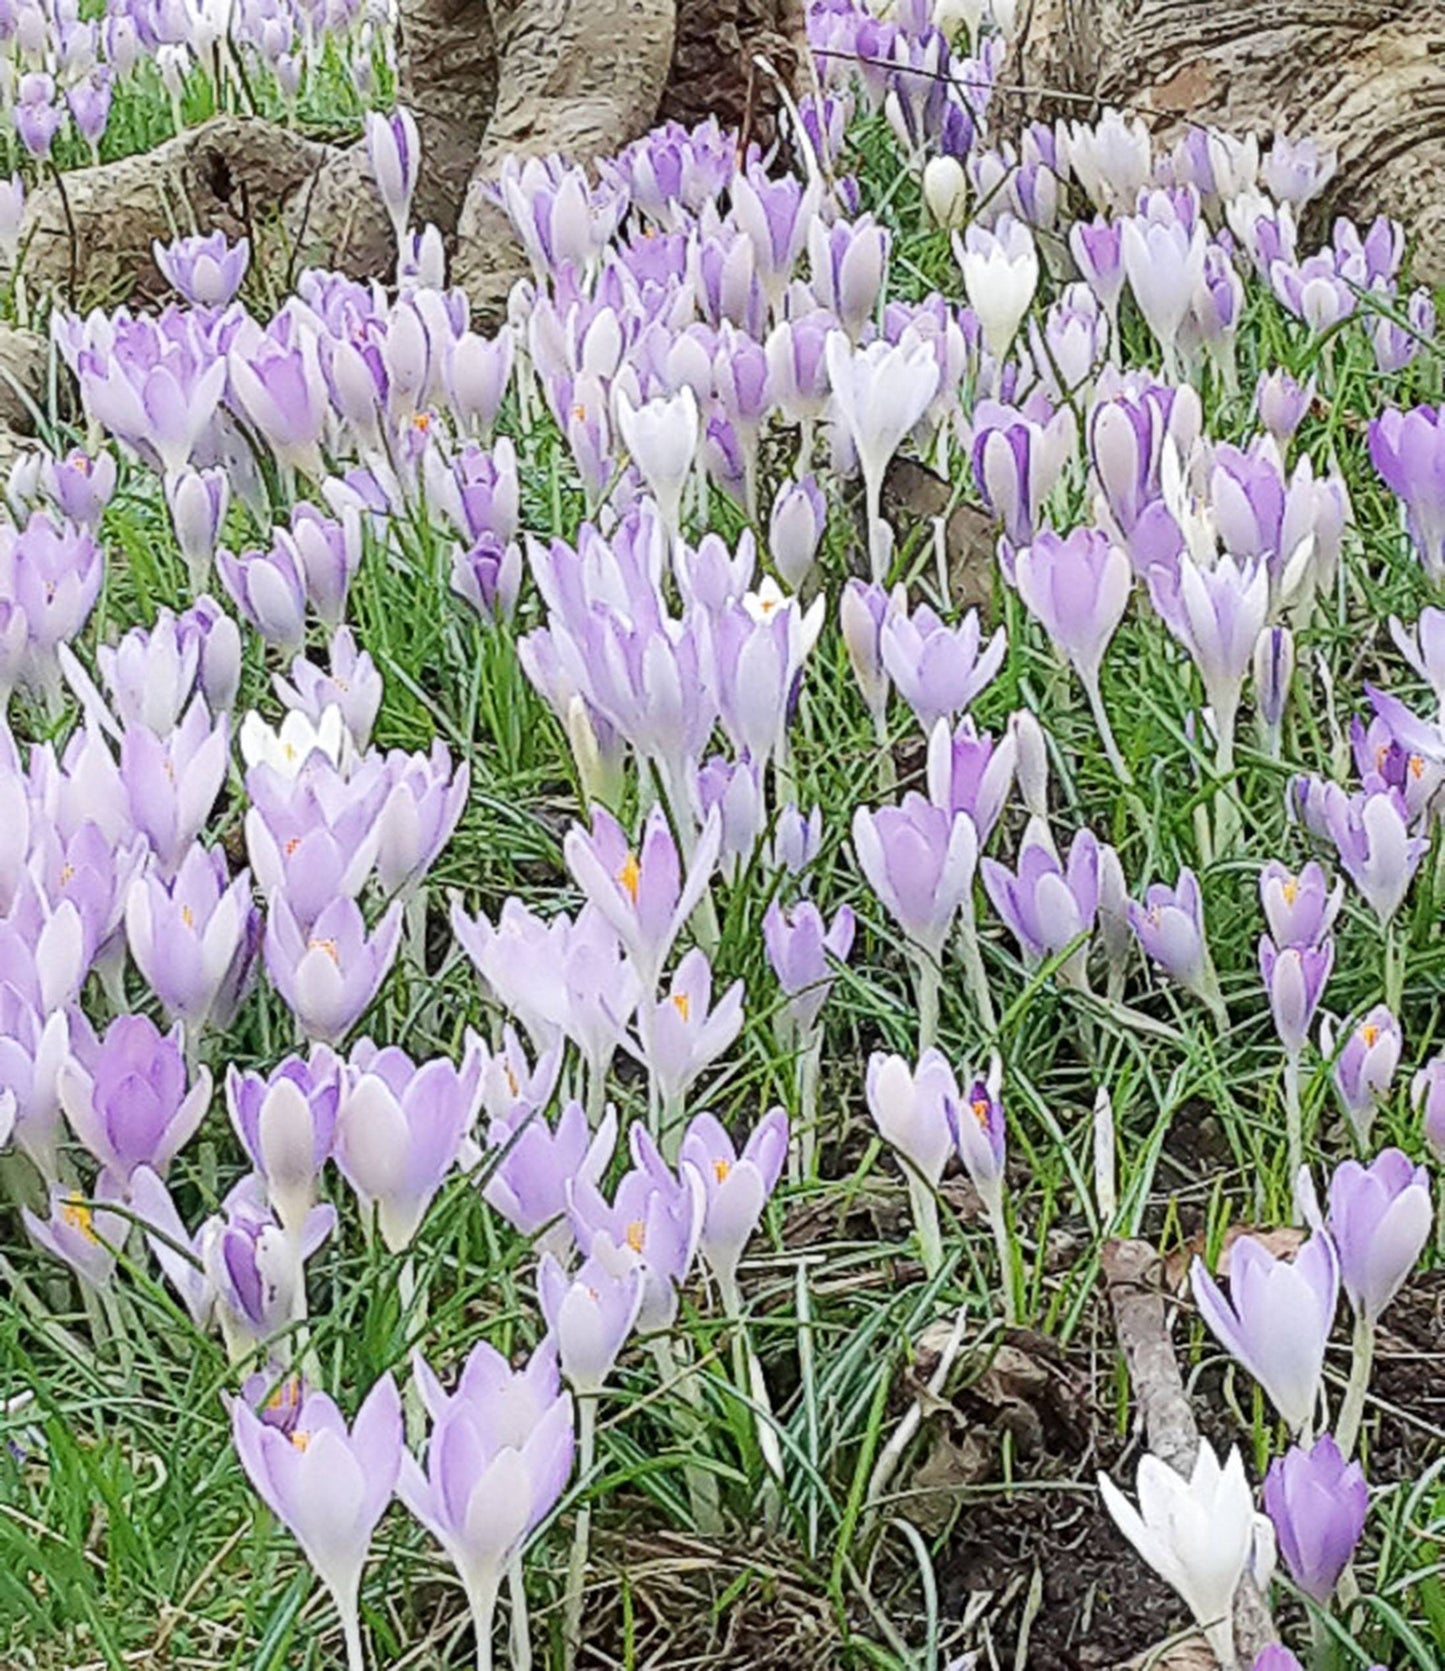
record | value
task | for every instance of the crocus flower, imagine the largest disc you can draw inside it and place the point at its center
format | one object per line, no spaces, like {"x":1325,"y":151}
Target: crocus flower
{"x":269,"y":589}
{"x":393,"y":148}
{"x":801,"y":951}
{"x":180,"y":1255}
{"x":426,"y":801}
{"x":1281,"y":403}
{"x":1199,"y":1534}
{"x":195,"y":938}
{"x":256,"y":1267}
{"x":85,"y":1237}
{"x":795,"y":528}
{"x":198,"y":501}
{"x":1294,"y":978}
{"x":1217,"y":614}
{"x":969,"y":772}
{"x":131,"y":1107}
{"x":1427,"y":1093}
{"x":590,"y":1315}
{"x":1318,"y":1503}
{"x":206,"y":271}
{"x":1000,"y":274}
{"x":1077,"y":588}
{"x":1300,"y":906}
{"x":327,"y":1485}
{"x":286,"y":1123}
{"x":645,"y":895}
{"x":1377,"y":851}
{"x":736,"y":1188}
{"x":981,"y":1135}
{"x":662,"y":436}
{"x":350,"y":683}
{"x":920,"y":861}
{"x":686,"y":1032}
{"x":536,"y":1164}
{"x":399,"y":1129}
{"x":1047,"y":905}
{"x":880,"y":393}
{"x":1170,"y":929}
{"x":1380,"y":1220}
{"x":938,"y":670}
{"x":173,"y":782}
{"x":496,"y":1461}
{"x":1365,"y":1066}
{"x":861,"y":613}
{"x":914,"y":1111}
{"x":1408,"y":450}
{"x":329,"y":976}
{"x":1277,"y":1320}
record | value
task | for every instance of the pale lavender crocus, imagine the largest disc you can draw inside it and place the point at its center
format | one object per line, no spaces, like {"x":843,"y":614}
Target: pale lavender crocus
{"x":1365,"y":1067}
{"x":1169,"y":926}
{"x":195,"y":938}
{"x":1300,"y":906}
{"x":938,"y":670}
{"x":328,"y":1485}
{"x":393,"y":148}
{"x":1408,"y":451}
{"x":980,"y":1134}
{"x":1077,"y":588}
{"x":287,"y":1124}
{"x":795,"y":527}
{"x":686,"y":1032}
{"x":1294,"y":979}
{"x":1379,"y":1216}
{"x":421,"y":812}
{"x":920,"y":862}
{"x":207,"y":271}
{"x":736,"y":1187}
{"x":590,"y":1315}
{"x":198,"y":501}
{"x":399,"y":1130}
{"x":1427,"y":1094}
{"x":802,"y":951}
{"x":80,"y":1230}
{"x":330,"y":975}
{"x":536,"y":1164}
{"x":131,"y":1105}
{"x":351,"y":682}
{"x":497,"y":1459}
{"x":1277,"y":1319}
{"x":646,"y":895}
{"x":1372,"y":835}
{"x":256,"y":1267}
{"x":1047,"y":905}
{"x":1318,"y":1503}
{"x":969,"y":772}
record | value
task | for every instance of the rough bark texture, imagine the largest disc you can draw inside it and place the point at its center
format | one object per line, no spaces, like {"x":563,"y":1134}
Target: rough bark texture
{"x":1133,"y":1277}
{"x":1366,"y":77}
{"x":93,"y":244}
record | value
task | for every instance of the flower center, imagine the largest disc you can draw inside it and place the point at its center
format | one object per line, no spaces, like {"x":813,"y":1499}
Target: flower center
{"x":682,"y":1004}
{"x":720,"y":1170}
{"x":1369,"y":1033}
{"x":327,"y":946}
{"x":636,"y":1235}
{"x":301,"y":1439}
{"x":630,"y":876}
{"x":78,"y":1216}
{"x":1290,"y":889}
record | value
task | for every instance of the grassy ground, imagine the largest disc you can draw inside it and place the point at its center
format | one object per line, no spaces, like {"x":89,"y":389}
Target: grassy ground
{"x":128,"y":1535}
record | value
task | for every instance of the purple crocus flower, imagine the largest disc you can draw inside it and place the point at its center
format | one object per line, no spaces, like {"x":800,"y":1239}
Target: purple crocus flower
{"x":276,"y":382}
{"x":85,"y":1237}
{"x":80,"y":484}
{"x":195,"y":938}
{"x":862,"y":611}
{"x":206,"y":271}
{"x":920,"y":862}
{"x":969,"y":772}
{"x":256,"y":1267}
{"x":328,"y":1485}
{"x":1380,"y":1220}
{"x":488,"y":576}
{"x":1277,"y":1319}
{"x":1077,"y":587}
{"x":686,"y":1032}
{"x":795,"y":528}
{"x":421,"y":811}
{"x":1295,"y":978}
{"x":1365,"y":1066}
{"x":198,"y":500}
{"x":1217,"y":614}
{"x":1047,"y":905}
{"x":269,"y":589}
{"x":38,"y":117}
{"x":1282,"y":404}
{"x":393,"y":148}
{"x":330,"y":975}
{"x":50,"y":577}
{"x":351,"y":683}
{"x":326,"y":552}
{"x":1427,"y":1094}
{"x":645,"y":895}
{"x":915,"y":1112}
{"x":1318,"y":1504}
{"x":131,"y":1107}
{"x":590,"y":1315}
{"x":1408,"y":450}
{"x":34,"y":1043}
{"x":496,"y":1461}
{"x":735,"y":1187}
{"x":173,"y":781}
{"x":286,"y":1122}
{"x":801,"y":951}
{"x":939,"y":670}
{"x":981,"y":1136}
{"x":538,"y":1164}
{"x":1170,"y":929}
{"x":1300,"y":906}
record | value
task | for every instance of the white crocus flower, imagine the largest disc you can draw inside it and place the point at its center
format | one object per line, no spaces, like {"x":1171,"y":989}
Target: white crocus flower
{"x":662,"y":436}
{"x":1199,"y":1534}
{"x":288,"y":749}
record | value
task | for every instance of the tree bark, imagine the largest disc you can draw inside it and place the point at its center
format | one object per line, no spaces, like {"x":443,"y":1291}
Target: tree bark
{"x":1365,"y":78}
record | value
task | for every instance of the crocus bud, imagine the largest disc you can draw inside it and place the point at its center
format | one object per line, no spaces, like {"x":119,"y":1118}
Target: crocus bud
{"x":735,"y":1186}
{"x":795,"y":528}
{"x":206,"y":271}
{"x":801,"y":952}
{"x":945,"y":192}
{"x":981,"y":1135}
{"x":393,"y":148}
{"x":287,"y":1124}
{"x":1032,"y":771}
{"x":914,"y":1111}
{"x":590,"y":1315}
{"x":1281,"y":403}
{"x":662,"y":436}
{"x":1294,"y":981}
{"x":1000,"y":274}
{"x":1318,"y":1504}
{"x":920,"y":861}
{"x":1273,"y":670}
{"x":1170,"y":928}
{"x":1380,"y":1220}
{"x":862,"y":610}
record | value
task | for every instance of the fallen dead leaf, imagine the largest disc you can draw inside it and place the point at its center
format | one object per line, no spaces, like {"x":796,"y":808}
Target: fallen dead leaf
{"x":1282,"y":1240}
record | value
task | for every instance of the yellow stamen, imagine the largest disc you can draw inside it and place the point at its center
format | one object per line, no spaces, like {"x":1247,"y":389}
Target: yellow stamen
{"x":636,"y":1235}
{"x":979,"y":1105}
{"x":630,"y":876}
{"x":720,"y":1170}
{"x":1417,"y":766}
{"x":327,"y":946}
{"x":78,"y":1216}
{"x":301,"y":1438}
{"x":579,"y":411}
{"x":682,"y":1004}
{"x":1290,"y":889}
{"x":188,"y":916}
{"x":67,"y":874}
{"x":1369,"y":1033}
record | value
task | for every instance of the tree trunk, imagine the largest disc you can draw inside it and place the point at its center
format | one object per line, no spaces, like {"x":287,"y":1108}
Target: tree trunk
{"x":1365,"y":78}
